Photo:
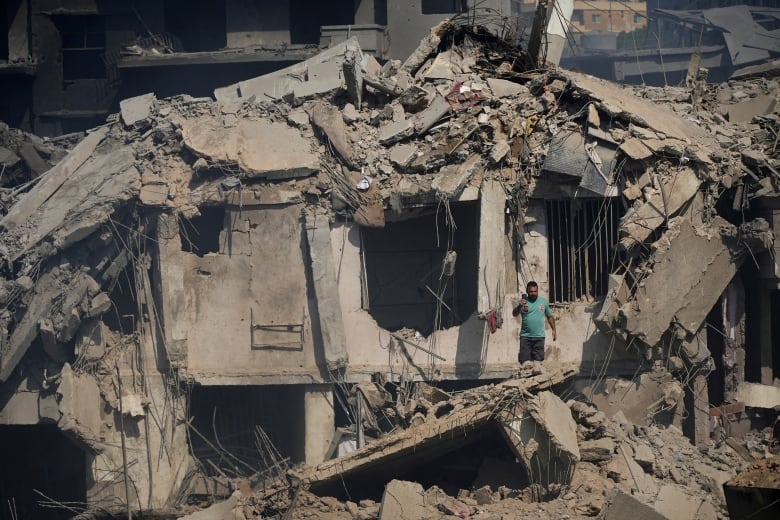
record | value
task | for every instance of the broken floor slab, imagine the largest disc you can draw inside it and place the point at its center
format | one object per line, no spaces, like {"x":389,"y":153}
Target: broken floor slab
{"x":434,"y":437}
{"x":260,"y":148}
{"x":700,"y":260}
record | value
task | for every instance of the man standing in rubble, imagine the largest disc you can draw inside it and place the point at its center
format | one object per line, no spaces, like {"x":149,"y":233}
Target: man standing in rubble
{"x":533,"y":309}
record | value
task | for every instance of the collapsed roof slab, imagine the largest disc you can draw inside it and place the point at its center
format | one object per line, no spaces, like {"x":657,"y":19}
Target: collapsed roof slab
{"x":698,"y":262}
{"x":622,"y":103}
{"x":437,"y":436}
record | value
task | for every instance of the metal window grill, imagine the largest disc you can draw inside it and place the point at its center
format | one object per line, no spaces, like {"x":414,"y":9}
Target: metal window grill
{"x":582,"y":235}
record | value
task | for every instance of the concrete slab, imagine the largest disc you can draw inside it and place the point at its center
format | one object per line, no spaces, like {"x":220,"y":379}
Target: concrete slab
{"x":394,"y":132}
{"x":137,"y":108}
{"x":280,"y":84}
{"x":700,"y":260}
{"x":745,"y":111}
{"x":260,"y":148}
{"x":502,"y":88}
{"x":640,"y":224}
{"x":329,"y":120}
{"x":452,"y":179}
{"x":635,"y":149}
{"x":621,"y":505}
{"x":403,"y":500}
{"x":675,"y":503}
{"x":425,"y":119}
{"x":756,"y":395}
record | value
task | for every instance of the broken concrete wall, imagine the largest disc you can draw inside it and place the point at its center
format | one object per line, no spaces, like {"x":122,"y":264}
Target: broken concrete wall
{"x":252,"y":296}
{"x":373,"y":349}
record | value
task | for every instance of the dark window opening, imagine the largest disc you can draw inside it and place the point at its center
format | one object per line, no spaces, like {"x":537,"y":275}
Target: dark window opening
{"x":83,"y":47}
{"x":307,"y":16}
{"x":241,"y":431}
{"x":39,"y":458}
{"x":201,"y":234}
{"x":4,"y":29}
{"x":443,"y":6}
{"x":410,"y":279}
{"x":581,"y":239}
{"x":200,"y":25}
{"x":753,"y":285}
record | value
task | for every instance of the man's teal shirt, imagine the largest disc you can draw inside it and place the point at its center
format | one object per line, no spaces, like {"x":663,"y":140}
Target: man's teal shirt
{"x":533,"y":320}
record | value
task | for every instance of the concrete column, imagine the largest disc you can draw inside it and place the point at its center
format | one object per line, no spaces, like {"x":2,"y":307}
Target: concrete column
{"x":699,"y":410}
{"x":734,"y":329}
{"x":492,"y":264}
{"x":319,"y":421}
{"x":765,"y":336}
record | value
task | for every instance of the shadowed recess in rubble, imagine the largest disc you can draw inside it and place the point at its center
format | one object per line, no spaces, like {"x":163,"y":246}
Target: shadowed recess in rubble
{"x":39,"y":458}
{"x":453,"y":462}
{"x":408,"y":276}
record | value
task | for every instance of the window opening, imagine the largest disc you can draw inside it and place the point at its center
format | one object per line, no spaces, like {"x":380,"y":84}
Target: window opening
{"x":582,"y":235}
{"x":83,"y":47}
{"x":595,"y":18}
{"x":443,"y":6}
{"x":409,"y":273}
{"x":201,"y":234}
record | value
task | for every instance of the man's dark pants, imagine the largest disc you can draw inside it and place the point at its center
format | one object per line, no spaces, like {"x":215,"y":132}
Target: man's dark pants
{"x":531,"y":349}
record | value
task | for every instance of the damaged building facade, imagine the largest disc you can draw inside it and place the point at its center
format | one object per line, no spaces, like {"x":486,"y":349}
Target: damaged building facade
{"x":206,"y":289}
{"x":65,"y":64}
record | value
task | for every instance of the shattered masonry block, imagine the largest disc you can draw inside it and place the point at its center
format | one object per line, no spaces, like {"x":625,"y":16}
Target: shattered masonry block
{"x":502,"y":88}
{"x":395,"y":132}
{"x":136,"y":109}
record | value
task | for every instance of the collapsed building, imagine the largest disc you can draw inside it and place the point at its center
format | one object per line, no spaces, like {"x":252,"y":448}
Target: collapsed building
{"x":211,"y":289}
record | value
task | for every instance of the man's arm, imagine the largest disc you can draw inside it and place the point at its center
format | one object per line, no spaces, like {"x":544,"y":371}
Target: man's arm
{"x":551,"y":321}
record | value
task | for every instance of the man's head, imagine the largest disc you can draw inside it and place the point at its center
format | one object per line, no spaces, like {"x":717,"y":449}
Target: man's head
{"x":533,"y":290}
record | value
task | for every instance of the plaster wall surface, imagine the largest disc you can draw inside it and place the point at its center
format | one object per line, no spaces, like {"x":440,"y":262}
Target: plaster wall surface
{"x":244,"y":316}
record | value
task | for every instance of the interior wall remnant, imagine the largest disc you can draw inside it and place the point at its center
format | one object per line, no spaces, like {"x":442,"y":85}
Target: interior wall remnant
{"x":413,"y":279}
{"x":39,"y":458}
{"x":734,"y":328}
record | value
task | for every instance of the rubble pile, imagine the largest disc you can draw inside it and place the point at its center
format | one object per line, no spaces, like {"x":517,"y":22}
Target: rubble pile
{"x":460,"y":120}
{"x":24,"y":157}
{"x":619,"y":464}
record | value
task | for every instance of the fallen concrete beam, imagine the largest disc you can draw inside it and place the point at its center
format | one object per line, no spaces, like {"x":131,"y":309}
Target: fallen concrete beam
{"x":452,"y":179}
{"x":50,"y":290}
{"x":427,"y":46}
{"x":334,"y":340}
